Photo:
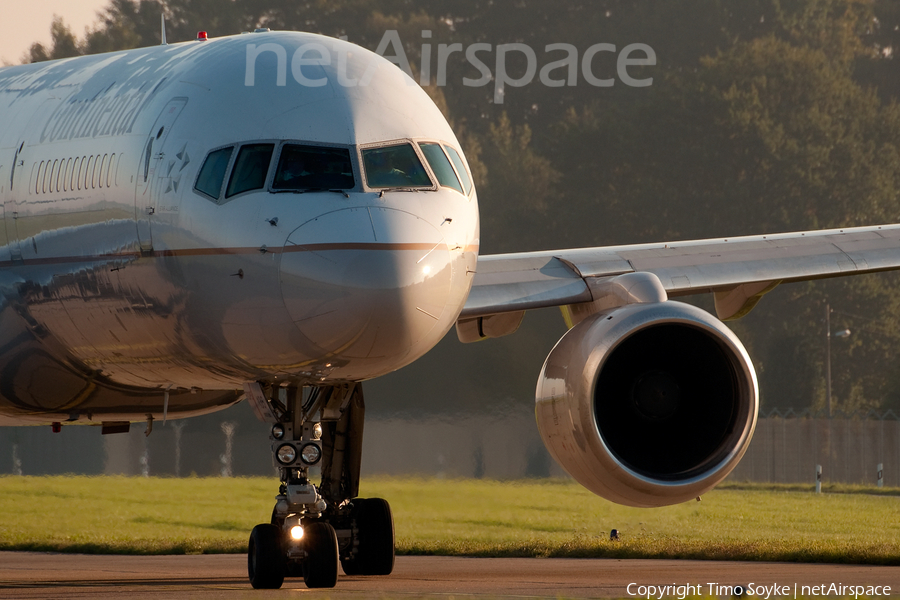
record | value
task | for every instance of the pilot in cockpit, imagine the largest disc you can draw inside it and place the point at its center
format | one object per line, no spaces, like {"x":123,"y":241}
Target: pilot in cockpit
{"x":382,"y":172}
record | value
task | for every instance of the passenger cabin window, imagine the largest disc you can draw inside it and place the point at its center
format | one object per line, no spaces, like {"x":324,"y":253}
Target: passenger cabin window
{"x":212,"y":173}
{"x":394,"y":166}
{"x":441,"y":166}
{"x":460,"y":168}
{"x":302,"y":168}
{"x":250,"y":169}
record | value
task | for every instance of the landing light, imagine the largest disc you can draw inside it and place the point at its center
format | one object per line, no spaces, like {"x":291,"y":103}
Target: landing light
{"x":286,"y":454}
{"x":310,"y":454}
{"x":296,"y":532}
{"x":278,"y":432}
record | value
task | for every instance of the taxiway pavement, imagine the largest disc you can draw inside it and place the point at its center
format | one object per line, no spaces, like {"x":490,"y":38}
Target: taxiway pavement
{"x":32,"y":575}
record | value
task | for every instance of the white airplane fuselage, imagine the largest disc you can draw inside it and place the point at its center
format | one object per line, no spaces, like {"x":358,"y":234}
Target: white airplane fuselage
{"x":120,"y":280}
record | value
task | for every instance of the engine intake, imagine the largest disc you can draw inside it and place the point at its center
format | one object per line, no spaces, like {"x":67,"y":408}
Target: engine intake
{"x":649,"y":404}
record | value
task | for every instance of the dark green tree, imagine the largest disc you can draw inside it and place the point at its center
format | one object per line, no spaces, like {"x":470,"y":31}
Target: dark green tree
{"x":63,"y":44}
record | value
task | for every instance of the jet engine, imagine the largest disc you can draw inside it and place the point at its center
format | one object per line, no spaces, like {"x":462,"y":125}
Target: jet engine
{"x":649,"y":404}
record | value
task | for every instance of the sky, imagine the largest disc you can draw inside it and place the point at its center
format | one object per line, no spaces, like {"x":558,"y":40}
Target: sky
{"x":26,"y":22}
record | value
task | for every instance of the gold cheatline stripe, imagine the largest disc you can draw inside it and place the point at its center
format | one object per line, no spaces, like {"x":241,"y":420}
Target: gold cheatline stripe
{"x":227,"y":251}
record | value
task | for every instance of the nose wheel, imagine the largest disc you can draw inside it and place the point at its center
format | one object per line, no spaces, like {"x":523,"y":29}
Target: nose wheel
{"x":320,"y":569}
{"x":315,"y":528}
{"x":267,"y":566}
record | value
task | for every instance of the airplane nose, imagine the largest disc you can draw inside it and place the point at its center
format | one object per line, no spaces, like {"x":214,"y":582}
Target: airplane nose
{"x":365,"y":282}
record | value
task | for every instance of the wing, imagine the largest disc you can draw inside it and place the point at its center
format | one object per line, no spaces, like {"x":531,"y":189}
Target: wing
{"x":738,"y":271}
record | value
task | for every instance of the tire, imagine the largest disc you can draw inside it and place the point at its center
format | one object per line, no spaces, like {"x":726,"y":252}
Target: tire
{"x":320,"y":569}
{"x":375,"y":531}
{"x":265,"y":558}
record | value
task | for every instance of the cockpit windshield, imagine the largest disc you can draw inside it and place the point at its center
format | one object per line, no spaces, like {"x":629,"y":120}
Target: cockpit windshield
{"x":303,"y":167}
{"x":441,"y":166}
{"x":394,"y":167}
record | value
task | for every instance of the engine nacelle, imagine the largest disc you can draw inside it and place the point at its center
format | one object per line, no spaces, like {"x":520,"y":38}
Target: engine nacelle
{"x":649,"y":404}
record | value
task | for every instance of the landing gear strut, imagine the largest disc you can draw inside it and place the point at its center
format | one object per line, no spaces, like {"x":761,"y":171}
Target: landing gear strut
{"x":313,"y":528}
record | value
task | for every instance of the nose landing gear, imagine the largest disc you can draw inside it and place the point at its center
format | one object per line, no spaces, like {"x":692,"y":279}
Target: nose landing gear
{"x":313,"y":528}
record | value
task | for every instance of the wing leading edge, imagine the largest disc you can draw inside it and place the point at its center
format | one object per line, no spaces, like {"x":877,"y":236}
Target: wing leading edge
{"x":738,"y":271}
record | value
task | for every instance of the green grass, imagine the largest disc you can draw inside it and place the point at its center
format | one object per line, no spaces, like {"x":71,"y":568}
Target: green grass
{"x":460,"y":517}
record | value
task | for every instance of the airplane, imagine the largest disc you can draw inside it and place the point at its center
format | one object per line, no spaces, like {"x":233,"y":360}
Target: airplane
{"x":281,"y":216}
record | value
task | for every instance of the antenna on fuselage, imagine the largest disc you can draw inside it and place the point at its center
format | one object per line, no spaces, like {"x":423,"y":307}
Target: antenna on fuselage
{"x":162,"y":20}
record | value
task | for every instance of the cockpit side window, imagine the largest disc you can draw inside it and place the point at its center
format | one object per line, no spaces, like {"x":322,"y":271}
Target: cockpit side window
{"x":460,"y":168}
{"x":441,"y":166}
{"x":212,"y":173}
{"x":394,"y":166}
{"x":250,"y":169}
{"x":303,"y":167}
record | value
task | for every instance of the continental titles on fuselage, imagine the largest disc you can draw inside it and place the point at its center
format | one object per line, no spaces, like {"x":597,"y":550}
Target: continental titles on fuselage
{"x":99,"y":116}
